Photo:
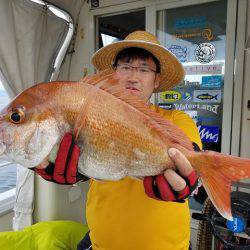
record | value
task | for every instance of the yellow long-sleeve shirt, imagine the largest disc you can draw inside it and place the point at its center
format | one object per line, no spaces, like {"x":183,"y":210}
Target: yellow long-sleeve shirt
{"x":121,"y":216}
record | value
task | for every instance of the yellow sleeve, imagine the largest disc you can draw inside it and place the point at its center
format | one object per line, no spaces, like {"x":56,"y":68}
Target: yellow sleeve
{"x":184,"y":122}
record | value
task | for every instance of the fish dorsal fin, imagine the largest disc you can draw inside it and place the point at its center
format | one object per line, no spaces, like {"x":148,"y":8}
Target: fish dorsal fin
{"x":98,"y":79}
{"x":106,"y":81}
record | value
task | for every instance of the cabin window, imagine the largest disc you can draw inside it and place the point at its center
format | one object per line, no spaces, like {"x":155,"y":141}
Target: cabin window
{"x":7,"y":169}
{"x":113,"y":28}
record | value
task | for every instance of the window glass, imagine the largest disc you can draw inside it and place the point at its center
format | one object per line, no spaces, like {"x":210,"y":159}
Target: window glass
{"x":106,"y":39}
{"x":7,"y":170}
{"x":196,"y":35}
{"x":113,"y":28}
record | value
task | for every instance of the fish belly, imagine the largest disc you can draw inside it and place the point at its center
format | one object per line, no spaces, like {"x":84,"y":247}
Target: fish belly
{"x":109,"y":157}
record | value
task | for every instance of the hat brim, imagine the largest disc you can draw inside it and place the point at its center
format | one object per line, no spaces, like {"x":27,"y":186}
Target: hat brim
{"x":172,"y":72}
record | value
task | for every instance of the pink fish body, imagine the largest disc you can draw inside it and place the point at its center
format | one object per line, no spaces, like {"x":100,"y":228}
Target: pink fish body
{"x":118,"y":135}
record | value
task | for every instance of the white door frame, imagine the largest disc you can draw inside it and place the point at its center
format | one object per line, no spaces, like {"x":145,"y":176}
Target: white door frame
{"x":238,"y":110}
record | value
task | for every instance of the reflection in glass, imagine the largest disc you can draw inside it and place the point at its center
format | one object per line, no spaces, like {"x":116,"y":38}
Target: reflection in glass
{"x":196,"y":35}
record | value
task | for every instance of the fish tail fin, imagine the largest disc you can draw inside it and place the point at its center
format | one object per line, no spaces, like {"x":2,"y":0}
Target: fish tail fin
{"x":217,"y":172}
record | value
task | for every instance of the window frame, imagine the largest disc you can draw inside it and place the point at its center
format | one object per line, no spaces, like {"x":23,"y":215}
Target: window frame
{"x":7,"y":200}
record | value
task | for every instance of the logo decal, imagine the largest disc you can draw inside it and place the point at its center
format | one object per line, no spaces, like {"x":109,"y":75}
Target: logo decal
{"x":205,"y":33}
{"x":187,"y":96}
{"x":171,"y":96}
{"x":203,"y":69}
{"x":209,"y":133}
{"x":210,"y":108}
{"x":179,"y":51}
{"x":211,"y":81}
{"x":167,"y":106}
{"x":205,"y":52}
{"x":207,"y":96}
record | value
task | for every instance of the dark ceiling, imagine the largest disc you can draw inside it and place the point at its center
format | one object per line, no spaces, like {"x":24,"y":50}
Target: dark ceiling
{"x":121,"y":25}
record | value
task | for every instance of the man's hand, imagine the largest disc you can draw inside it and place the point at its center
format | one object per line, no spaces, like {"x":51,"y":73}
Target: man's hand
{"x":172,"y":185}
{"x":64,"y":171}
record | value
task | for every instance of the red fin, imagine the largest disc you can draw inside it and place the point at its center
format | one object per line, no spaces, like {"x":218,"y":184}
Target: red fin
{"x":217,"y":172}
{"x":169,"y":131}
{"x":98,"y":78}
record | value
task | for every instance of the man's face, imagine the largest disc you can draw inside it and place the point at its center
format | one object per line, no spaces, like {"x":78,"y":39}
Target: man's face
{"x":138,"y":76}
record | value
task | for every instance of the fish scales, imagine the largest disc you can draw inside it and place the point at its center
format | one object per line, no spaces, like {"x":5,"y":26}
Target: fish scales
{"x":117,"y":135}
{"x":119,"y":141}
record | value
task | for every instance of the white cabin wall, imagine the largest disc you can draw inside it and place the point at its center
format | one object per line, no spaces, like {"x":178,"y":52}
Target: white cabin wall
{"x":6,"y":222}
{"x":84,"y":47}
{"x":52,"y":202}
{"x":79,"y":62}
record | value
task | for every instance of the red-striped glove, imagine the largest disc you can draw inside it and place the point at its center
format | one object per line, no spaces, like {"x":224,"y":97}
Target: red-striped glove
{"x":157,"y":187}
{"x":64,"y":171}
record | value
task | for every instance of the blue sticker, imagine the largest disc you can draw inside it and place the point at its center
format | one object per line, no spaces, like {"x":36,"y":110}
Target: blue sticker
{"x":191,"y":22}
{"x":211,"y":81}
{"x":179,"y":51}
{"x":206,"y":118}
{"x":209,"y":133}
{"x":187,"y":96}
{"x":237,"y":225}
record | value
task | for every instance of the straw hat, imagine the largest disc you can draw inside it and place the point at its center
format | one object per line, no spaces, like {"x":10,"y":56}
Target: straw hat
{"x":172,"y":71}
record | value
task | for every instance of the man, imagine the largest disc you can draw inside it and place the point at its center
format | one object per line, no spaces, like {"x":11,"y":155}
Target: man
{"x":120,"y":214}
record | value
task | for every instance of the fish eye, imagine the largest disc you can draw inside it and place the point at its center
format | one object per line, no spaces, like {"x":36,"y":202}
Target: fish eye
{"x":17,"y":116}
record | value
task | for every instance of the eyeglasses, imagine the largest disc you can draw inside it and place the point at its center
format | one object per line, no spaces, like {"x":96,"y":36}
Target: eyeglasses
{"x":127,"y":69}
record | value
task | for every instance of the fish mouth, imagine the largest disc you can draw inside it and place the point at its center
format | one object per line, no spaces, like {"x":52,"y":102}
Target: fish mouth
{"x":2,"y":148}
